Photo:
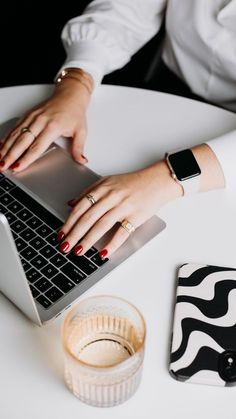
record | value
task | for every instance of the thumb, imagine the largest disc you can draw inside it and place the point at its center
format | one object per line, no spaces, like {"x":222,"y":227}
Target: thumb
{"x":77,"y":147}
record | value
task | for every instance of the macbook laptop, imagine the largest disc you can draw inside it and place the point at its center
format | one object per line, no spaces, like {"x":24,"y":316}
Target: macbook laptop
{"x":34,"y":275}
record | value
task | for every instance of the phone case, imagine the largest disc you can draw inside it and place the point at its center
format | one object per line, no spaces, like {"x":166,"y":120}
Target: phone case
{"x":203,"y":347}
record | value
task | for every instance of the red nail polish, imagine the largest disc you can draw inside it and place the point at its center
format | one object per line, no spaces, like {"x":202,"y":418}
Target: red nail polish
{"x":78,"y":249}
{"x":103,"y":253}
{"x":64,"y":247}
{"x":14,"y":166}
{"x":85,"y":158}
{"x":2,"y":162}
{"x":60,"y":236}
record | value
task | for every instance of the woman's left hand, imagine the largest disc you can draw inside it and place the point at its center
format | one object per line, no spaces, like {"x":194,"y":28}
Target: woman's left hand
{"x":133,"y":196}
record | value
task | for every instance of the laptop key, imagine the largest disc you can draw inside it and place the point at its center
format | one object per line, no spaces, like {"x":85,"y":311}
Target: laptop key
{"x":15,"y":207}
{"x":2,"y":191}
{"x":6,"y":199}
{"x":7,"y":185}
{"x":34,"y":223}
{"x":63,"y":283}
{"x":32,"y":275}
{"x":83,"y":263}
{"x":54,"y":294}
{"x":20,"y":244}
{"x":98,"y":260}
{"x":39,"y":262}
{"x":48,"y":251}
{"x":49,"y":271}
{"x":37,"y":243}
{"x":42,"y":284}
{"x":28,"y":234}
{"x":34,"y":291}
{"x":24,"y":214}
{"x":91,"y":252}
{"x":18,"y":226}
{"x":3,"y":209}
{"x":75,"y":274}
{"x":28,"y":253}
{"x":52,"y":239}
{"x":58,"y":260}
{"x":26,"y":265}
{"x":10,"y":217}
{"x":43,"y":230}
{"x":43,"y":301}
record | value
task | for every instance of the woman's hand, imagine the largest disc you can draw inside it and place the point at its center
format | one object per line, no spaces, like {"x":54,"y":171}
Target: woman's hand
{"x":133,"y":196}
{"x":63,"y":114}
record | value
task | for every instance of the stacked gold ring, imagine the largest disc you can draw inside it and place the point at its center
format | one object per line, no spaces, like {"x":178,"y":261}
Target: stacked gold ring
{"x":128,"y":226}
{"x":91,"y":198}
{"x":27,"y":129}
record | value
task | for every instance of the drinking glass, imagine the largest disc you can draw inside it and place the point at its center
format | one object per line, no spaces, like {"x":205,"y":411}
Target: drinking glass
{"x":103,"y":340}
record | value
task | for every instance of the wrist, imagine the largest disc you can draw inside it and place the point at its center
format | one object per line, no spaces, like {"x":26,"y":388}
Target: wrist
{"x":160,"y":179}
{"x":77,"y":75}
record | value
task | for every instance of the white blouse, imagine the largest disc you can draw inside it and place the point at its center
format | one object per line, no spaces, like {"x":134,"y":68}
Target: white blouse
{"x":199,"y":46}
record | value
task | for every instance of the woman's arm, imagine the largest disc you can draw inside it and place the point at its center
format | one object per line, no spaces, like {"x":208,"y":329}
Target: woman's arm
{"x":133,"y":196}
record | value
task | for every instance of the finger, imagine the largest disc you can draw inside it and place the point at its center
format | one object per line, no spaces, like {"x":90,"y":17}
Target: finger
{"x":81,"y":225}
{"x":120,"y":236}
{"x":41,"y":143}
{"x":72,"y":202}
{"x":102,"y":226}
{"x":77,"y":147}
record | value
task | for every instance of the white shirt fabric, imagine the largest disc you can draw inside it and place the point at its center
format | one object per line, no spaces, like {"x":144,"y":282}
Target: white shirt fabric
{"x":199,"y":47}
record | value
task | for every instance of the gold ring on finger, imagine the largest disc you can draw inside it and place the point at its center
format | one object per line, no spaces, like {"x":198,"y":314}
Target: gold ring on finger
{"x":91,"y":198}
{"x":128,"y":226}
{"x":27,"y":129}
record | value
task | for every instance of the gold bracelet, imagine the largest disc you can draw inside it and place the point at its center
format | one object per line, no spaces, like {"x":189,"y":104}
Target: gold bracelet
{"x":74,"y":73}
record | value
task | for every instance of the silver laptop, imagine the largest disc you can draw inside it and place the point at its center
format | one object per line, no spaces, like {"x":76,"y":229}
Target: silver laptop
{"x":34,"y":275}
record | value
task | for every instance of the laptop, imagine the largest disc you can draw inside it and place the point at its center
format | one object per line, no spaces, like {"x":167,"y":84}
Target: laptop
{"x":34,"y":275}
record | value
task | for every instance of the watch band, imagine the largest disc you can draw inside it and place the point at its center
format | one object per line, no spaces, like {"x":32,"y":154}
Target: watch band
{"x":192,"y":184}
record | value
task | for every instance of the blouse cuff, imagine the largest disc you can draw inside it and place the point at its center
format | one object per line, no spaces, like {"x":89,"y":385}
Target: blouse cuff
{"x":224,"y":148}
{"x":90,"y":56}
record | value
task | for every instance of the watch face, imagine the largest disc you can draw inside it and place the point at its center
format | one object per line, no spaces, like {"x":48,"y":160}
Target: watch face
{"x":184,"y":164}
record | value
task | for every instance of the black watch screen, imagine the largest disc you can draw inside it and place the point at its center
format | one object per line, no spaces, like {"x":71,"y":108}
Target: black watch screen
{"x":184,"y":164}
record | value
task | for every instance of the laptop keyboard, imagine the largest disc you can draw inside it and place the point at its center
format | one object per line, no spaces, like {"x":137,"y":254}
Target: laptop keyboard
{"x":50,"y":273}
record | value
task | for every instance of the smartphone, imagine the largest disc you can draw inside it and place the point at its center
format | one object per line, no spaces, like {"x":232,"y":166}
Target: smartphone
{"x":203,"y":344}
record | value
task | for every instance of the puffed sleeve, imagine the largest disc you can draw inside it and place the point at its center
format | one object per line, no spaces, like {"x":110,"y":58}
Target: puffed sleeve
{"x":109,"y":32}
{"x":224,"y":148}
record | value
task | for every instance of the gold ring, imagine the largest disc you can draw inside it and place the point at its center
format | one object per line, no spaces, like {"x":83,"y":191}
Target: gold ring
{"x":128,"y":226}
{"x":91,"y":198}
{"x":27,"y":129}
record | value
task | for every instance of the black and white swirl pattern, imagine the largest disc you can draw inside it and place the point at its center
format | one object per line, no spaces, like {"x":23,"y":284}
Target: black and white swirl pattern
{"x":204,"y":322}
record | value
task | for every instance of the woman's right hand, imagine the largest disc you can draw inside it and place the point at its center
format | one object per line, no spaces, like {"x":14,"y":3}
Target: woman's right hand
{"x":63,"y":114}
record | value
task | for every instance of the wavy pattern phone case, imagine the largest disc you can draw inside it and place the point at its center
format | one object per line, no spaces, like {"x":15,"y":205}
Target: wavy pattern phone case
{"x":203,"y":346}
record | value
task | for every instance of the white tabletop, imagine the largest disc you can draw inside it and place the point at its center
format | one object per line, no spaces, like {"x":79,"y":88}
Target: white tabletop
{"x":128,"y":129}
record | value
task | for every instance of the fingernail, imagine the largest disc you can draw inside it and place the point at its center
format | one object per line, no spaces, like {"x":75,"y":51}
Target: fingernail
{"x":78,"y":249}
{"x":103,"y":253}
{"x":60,"y":236}
{"x":85,"y":158}
{"x":71,"y":202}
{"x":2,"y":162}
{"x":64,"y":247}
{"x":14,"y":166}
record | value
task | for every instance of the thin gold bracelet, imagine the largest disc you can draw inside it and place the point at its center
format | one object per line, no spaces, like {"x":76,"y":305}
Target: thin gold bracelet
{"x":66,"y":73}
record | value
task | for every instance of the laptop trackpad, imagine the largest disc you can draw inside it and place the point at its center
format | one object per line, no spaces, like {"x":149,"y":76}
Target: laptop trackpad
{"x":55,"y":179}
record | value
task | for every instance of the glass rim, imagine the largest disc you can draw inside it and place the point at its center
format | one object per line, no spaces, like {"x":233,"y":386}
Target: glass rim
{"x":98,"y":367}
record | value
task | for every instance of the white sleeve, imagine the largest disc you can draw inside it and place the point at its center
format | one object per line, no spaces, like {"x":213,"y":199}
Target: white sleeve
{"x":224,"y":148}
{"x":109,"y":32}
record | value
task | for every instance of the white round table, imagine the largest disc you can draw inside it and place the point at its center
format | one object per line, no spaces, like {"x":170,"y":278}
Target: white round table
{"x":128,"y":129}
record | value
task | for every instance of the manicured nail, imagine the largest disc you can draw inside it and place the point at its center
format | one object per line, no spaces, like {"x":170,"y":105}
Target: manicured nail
{"x":78,"y":249}
{"x":2,"y":162}
{"x":103,"y":253}
{"x":64,"y":247}
{"x":60,"y":236}
{"x":71,"y":202}
{"x":85,"y":158}
{"x":14,"y":166}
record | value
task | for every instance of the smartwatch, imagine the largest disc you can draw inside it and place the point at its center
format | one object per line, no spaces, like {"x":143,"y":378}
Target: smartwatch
{"x":184,"y":170}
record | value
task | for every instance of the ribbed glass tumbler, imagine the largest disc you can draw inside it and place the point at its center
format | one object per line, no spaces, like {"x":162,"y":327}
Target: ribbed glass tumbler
{"x":103,"y":340}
